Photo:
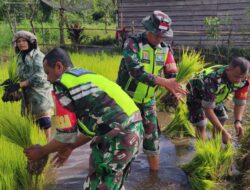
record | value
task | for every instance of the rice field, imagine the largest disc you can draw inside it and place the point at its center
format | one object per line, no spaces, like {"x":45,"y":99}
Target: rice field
{"x":208,"y":167}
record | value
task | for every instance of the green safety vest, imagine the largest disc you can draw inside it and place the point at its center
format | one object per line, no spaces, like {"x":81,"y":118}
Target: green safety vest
{"x":153,"y":62}
{"x":224,"y":89}
{"x":76,"y":76}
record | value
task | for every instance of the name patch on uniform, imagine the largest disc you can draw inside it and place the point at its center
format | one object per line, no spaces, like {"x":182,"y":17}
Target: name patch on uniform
{"x":145,"y":57}
{"x":61,"y":122}
{"x":78,"y":72}
{"x":159,"y":58}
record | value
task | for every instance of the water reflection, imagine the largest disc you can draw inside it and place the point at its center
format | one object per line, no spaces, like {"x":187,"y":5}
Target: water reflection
{"x":169,"y":177}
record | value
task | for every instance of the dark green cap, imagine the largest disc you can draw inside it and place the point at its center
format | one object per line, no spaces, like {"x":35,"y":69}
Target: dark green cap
{"x":158,"y":23}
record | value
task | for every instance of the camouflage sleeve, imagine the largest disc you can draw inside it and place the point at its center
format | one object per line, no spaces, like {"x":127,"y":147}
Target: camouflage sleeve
{"x":208,"y":92}
{"x":134,"y":65}
{"x":240,"y":96}
{"x":38,"y":77}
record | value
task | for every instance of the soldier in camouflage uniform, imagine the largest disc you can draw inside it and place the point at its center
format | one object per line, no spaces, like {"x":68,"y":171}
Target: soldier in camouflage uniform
{"x":145,"y":56}
{"x":36,"y":90}
{"x":208,"y":91}
{"x":102,"y":114}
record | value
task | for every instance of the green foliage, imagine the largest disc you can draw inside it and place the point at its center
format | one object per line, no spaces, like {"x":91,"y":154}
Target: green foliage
{"x":190,"y":64}
{"x":19,"y":130}
{"x":247,"y":11}
{"x":75,"y":32}
{"x":104,"y":11}
{"x":101,"y":63}
{"x":210,"y":163}
{"x":180,"y":126}
{"x":13,"y":172}
{"x":12,"y":71}
{"x":16,"y":133}
{"x":46,"y":10}
{"x":6,"y":37}
{"x":213,"y":26}
{"x":243,"y":160}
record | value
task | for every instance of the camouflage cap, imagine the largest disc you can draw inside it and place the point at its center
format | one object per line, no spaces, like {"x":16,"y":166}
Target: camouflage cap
{"x":158,"y":23}
{"x":24,"y":34}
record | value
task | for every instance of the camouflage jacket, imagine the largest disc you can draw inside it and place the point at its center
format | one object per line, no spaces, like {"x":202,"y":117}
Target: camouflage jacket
{"x":131,"y":64}
{"x":94,"y":108}
{"x":37,"y":98}
{"x":207,"y":88}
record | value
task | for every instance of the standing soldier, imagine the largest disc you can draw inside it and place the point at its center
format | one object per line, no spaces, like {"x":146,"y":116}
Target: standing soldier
{"x":145,"y":55}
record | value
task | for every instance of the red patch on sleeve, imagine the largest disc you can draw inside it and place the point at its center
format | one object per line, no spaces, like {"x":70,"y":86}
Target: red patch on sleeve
{"x":170,"y":65}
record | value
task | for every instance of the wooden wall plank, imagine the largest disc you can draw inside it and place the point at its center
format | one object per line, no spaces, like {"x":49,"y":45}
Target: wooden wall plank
{"x":189,"y":15}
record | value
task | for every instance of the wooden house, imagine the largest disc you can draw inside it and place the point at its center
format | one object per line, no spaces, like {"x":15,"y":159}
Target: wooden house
{"x":188,"y":18}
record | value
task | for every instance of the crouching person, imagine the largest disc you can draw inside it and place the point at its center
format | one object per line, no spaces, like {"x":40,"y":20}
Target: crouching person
{"x":103,"y":113}
{"x":209,"y":90}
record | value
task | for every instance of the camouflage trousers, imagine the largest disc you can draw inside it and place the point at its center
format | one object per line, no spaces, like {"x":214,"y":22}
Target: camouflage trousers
{"x":151,"y":129}
{"x":111,"y":157}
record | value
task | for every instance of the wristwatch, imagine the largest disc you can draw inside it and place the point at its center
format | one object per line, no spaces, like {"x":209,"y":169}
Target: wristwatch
{"x":237,"y":120}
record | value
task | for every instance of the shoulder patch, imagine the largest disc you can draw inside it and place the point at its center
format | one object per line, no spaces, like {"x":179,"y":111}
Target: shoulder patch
{"x":78,"y":72}
{"x":131,"y":45}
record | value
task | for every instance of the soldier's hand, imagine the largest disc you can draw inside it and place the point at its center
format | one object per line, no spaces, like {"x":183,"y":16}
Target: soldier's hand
{"x":239,"y":129}
{"x":61,"y":156}
{"x":226,"y":137}
{"x":34,"y":152}
{"x":174,"y":87}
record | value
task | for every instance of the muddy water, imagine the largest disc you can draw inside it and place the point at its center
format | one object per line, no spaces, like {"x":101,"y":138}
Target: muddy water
{"x":169,"y":177}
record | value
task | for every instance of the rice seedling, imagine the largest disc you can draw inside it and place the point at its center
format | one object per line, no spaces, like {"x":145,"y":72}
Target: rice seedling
{"x":210,"y":163}
{"x":12,"y":71}
{"x":190,"y":64}
{"x":180,"y":126}
{"x":21,"y":133}
{"x":13,"y":172}
{"x":101,"y":63}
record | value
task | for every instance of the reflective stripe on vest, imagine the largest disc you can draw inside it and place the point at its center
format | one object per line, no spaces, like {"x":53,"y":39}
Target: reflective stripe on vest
{"x":76,"y":77}
{"x":153,"y":62}
{"x":112,"y":89}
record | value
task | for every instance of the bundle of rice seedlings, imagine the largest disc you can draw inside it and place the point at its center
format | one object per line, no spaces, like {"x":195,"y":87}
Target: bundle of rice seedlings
{"x":191,"y":63}
{"x":210,"y":163}
{"x":24,"y":133}
{"x":13,"y":172}
{"x":180,"y":126}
